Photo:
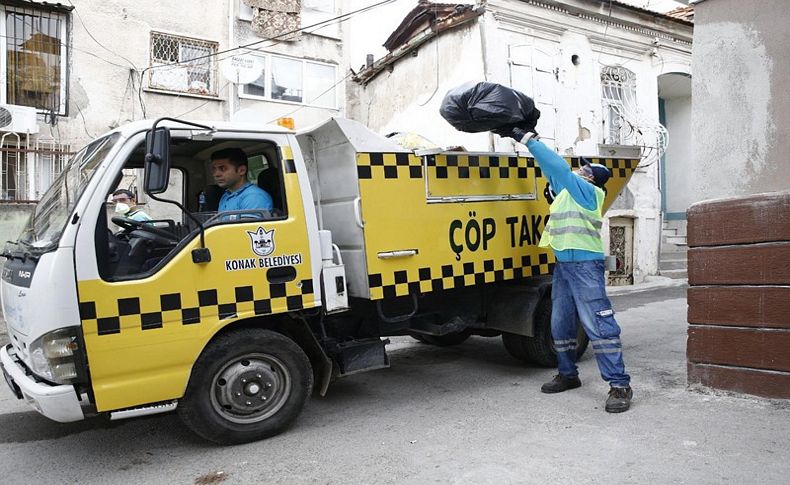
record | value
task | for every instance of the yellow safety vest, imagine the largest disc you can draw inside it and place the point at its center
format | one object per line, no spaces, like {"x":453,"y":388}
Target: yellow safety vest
{"x":571,"y":226}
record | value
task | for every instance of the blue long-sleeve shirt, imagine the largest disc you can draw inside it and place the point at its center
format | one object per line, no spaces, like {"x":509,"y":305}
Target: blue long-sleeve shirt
{"x":248,"y":196}
{"x":561,"y":177}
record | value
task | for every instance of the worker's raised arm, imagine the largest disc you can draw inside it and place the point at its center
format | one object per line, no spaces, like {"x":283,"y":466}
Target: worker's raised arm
{"x":558,"y":171}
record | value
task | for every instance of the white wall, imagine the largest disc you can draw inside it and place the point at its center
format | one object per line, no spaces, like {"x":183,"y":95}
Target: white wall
{"x":679,"y":190}
{"x":741,"y":108}
{"x":408,"y":98}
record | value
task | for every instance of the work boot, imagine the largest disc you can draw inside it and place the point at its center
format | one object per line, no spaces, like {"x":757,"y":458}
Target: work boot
{"x":561,"y":383}
{"x":619,"y":399}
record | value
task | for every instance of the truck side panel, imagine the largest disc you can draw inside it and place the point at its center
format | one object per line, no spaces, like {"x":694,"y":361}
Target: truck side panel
{"x":457,"y":219}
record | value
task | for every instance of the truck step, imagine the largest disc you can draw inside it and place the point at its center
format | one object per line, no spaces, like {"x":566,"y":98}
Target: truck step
{"x":357,"y":356}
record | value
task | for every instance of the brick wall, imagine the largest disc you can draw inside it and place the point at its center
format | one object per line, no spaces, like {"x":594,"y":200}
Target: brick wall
{"x":739,"y":294}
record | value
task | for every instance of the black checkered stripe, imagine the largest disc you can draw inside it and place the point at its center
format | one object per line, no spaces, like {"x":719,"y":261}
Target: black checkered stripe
{"x":171,"y":308}
{"x":404,"y":165}
{"x":442,"y":166}
{"x":455,"y":276}
{"x":620,"y":167}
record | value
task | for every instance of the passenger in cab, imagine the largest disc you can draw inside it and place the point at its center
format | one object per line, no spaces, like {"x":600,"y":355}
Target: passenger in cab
{"x":126,"y":206}
{"x":229,"y":169}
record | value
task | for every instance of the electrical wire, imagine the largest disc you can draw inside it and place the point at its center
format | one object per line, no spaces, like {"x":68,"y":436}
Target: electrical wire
{"x":279,"y":37}
{"x":84,"y":123}
{"x":79,"y":17}
{"x":251,"y":47}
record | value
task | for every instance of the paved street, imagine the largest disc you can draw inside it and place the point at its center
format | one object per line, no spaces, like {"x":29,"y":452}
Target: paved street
{"x":469,"y":414}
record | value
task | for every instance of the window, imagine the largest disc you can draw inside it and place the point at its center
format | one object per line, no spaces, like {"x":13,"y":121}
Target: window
{"x":27,"y":169}
{"x":618,"y":94}
{"x":295,"y":80}
{"x":183,"y":65}
{"x":34,"y":58}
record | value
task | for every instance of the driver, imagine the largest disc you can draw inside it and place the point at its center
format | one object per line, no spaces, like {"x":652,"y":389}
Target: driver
{"x":126,"y":206}
{"x":229,"y":169}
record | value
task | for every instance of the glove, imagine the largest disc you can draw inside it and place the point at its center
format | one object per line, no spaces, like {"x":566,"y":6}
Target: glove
{"x":519,"y":134}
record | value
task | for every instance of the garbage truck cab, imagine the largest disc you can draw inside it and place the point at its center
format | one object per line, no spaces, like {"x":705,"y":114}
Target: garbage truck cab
{"x":233,"y":318}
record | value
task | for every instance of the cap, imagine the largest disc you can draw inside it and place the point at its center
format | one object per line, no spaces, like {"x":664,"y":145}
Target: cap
{"x":600,"y":173}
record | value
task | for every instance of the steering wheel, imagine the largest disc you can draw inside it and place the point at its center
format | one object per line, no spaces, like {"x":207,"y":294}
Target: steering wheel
{"x":130,"y":225}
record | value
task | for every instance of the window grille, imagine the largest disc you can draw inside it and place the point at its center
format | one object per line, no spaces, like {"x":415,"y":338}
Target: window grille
{"x":50,"y":156}
{"x":183,"y":64}
{"x":618,"y":86}
{"x":13,"y":167}
{"x":26,"y":171}
{"x":623,"y":121}
{"x":34,"y":57}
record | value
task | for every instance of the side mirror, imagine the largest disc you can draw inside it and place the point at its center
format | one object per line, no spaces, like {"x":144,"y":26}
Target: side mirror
{"x":157,"y":160}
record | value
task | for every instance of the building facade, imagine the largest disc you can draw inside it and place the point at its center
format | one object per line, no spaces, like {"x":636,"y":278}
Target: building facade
{"x":608,"y":77}
{"x":75,"y":70}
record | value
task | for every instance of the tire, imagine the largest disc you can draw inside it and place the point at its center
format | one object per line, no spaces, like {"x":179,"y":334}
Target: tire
{"x":446,"y":340}
{"x":223,"y":402}
{"x":539,"y":349}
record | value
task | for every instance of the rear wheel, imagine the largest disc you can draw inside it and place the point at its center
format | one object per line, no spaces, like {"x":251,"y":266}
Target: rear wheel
{"x":539,"y":349}
{"x":247,"y":385}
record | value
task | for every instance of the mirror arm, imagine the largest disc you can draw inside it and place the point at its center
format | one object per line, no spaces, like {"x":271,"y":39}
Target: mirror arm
{"x":190,"y":215}
{"x":203,"y":256}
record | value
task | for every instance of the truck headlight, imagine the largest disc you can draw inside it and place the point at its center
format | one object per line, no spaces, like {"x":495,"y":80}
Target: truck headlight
{"x":52,"y":356}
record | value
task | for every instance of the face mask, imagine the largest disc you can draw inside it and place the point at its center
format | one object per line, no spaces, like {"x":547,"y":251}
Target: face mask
{"x":121,"y":208}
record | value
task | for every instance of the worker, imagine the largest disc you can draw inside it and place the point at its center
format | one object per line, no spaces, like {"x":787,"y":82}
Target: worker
{"x":578,"y":286}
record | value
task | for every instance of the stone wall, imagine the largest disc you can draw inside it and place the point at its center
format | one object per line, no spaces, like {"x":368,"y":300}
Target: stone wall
{"x":739,"y":294}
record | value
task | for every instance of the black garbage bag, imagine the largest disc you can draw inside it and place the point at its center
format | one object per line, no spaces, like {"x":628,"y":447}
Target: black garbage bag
{"x":485,"y":106}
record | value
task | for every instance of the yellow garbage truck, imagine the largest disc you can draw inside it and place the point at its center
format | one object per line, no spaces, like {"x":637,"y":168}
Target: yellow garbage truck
{"x":232,"y":319}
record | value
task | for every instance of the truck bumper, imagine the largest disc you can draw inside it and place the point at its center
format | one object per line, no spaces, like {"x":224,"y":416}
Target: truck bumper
{"x":59,"y":403}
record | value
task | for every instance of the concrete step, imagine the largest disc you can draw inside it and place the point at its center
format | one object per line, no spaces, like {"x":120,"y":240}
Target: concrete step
{"x":669,"y":264}
{"x":675,"y":274}
{"x":677,"y":240}
{"x":669,"y":232}
{"x":674,"y":252}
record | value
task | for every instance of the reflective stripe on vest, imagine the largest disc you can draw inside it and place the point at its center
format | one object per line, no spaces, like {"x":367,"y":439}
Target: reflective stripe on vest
{"x":571,"y":226}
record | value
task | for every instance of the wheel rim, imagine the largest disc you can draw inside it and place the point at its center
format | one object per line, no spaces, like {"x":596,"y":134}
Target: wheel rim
{"x":250,"y":388}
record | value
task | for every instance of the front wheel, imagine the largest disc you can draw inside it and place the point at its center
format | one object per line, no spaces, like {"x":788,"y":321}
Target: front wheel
{"x":247,"y":385}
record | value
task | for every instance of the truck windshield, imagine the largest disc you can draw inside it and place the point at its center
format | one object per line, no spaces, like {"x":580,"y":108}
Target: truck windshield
{"x":43,"y":229}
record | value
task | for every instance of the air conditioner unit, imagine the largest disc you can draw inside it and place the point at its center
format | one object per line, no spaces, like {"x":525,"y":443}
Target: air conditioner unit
{"x":19,"y":119}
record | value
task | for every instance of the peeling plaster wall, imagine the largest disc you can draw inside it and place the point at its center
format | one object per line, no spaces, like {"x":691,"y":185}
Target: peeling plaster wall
{"x":409,"y":97}
{"x":104,"y":92}
{"x":101,"y":95}
{"x":741,"y":114}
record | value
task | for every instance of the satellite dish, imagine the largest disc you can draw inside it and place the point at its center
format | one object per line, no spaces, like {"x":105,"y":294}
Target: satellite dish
{"x":241,"y":69}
